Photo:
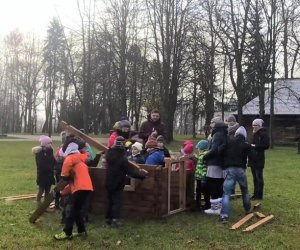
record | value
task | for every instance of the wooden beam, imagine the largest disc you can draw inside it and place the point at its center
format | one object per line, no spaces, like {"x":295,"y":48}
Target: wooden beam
{"x":260,"y":215}
{"x":21,"y":198}
{"x":259,"y":224}
{"x":15,"y":196}
{"x":242,"y":221}
{"x":88,"y":139}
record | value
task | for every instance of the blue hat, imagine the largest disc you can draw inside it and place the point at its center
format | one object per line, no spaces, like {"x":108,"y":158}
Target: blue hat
{"x":202,"y":145}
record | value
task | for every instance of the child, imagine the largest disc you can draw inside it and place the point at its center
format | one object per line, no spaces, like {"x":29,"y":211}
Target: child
{"x":136,"y":156}
{"x":200,"y":176}
{"x":187,"y":153}
{"x":161,"y":145}
{"x":117,"y":169}
{"x":75,"y":171}
{"x":155,"y":156}
{"x":45,"y":162}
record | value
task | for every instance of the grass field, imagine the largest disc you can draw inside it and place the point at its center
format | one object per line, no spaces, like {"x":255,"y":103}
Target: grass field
{"x":183,"y":231}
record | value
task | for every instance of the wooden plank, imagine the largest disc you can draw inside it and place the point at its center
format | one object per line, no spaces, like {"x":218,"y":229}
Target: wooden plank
{"x":260,"y":215}
{"x":259,"y":224}
{"x":89,"y":140}
{"x":16,"y":196}
{"x":47,"y":201}
{"x":21,"y":198}
{"x":242,"y":221}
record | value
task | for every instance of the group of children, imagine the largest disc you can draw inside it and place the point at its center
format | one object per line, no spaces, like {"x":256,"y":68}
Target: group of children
{"x":71,"y":160}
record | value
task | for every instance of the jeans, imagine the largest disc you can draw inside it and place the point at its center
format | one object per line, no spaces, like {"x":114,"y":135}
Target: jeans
{"x":258,"y":182}
{"x":233,"y":175}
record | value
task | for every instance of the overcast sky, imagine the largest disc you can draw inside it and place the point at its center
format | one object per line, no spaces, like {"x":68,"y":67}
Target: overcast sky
{"x":34,"y":15}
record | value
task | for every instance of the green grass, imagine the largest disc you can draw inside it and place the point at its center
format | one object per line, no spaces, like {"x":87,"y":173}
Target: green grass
{"x":181,"y":231}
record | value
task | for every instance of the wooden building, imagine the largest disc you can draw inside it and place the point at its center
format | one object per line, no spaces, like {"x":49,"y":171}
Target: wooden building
{"x":286,"y":110}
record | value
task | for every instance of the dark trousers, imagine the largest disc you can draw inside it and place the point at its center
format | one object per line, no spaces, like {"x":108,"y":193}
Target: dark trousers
{"x":215,"y":187}
{"x":78,"y":200}
{"x":258,"y":182}
{"x":202,"y":188}
{"x":43,"y":190}
{"x":57,"y":196}
{"x":114,"y":204}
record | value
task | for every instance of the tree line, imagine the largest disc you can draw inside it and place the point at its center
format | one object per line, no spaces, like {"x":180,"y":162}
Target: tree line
{"x":125,"y":57}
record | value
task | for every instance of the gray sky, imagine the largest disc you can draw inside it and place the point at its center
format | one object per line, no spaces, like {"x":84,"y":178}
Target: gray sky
{"x":33,"y":16}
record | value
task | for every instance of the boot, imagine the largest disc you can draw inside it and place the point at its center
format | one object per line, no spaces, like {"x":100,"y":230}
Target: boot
{"x":216,"y":205}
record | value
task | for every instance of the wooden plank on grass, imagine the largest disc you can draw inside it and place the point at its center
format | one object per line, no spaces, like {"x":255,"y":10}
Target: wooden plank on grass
{"x":260,"y":215}
{"x":259,"y":224}
{"x":242,"y":221}
{"x":16,"y":196}
{"x":21,"y":198}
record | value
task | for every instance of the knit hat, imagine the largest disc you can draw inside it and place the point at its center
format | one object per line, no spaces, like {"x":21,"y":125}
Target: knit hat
{"x":125,"y":124}
{"x":151,"y":143}
{"x":117,"y":126}
{"x":71,"y":149}
{"x":217,"y":119}
{"x":231,"y":119}
{"x":138,"y":146}
{"x":120,"y":142}
{"x":202,"y":145}
{"x":258,"y":122}
{"x":81,"y":143}
{"x":188,"y":149}
{"x":160,"y":138}
{"x":241,"y":131}
{"x":128,"y":144}
{"x":44,"y":140}
{"x":186,"y":142}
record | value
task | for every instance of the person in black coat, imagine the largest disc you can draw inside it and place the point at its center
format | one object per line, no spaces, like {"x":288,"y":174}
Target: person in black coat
{"x":256,"y":159}
{"x":152,"y":125}
{"x":45,"y":163}
{"x":235,"y":160}
{"x":214,"y":160}
{"x":117,"y":169}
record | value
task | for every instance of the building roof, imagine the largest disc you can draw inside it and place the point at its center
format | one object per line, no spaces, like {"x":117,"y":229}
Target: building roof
{"x":286,"y":101}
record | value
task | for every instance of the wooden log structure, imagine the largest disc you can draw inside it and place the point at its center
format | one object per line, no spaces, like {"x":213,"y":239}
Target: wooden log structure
{"x":241,"y":222}
{"x":165,"y":191}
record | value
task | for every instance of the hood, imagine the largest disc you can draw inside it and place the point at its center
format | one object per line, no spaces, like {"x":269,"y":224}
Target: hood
{"x":36,"y":149}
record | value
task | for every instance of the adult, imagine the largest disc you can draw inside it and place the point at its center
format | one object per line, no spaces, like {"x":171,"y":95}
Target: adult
{"x":214,"y":161}
{"x":153,"y":125}
{"x":235,"y":159}
{"x":233,"y":125}
{"x":256,"y":159}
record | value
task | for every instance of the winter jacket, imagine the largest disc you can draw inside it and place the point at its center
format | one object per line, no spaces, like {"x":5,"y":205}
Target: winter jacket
{"x":165,"y":151}
{"x":218,"y":140}
{"x":201,"y":167}
{"x":232,"y":129}
{"x":256,"y":157}
{"x":139,"y":159}
{"x":149,"y":126}
{"x":74,"y":168}
{"x":45,"y":163}
{"x":156,"y":157}
{"x":117,"y":169}
{"x":236,"y":152}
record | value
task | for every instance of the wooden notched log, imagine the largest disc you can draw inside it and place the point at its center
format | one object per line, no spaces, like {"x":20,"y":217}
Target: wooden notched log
{"x":260,"y":215}
{"x":242,"y":221}
{"x":259,"y":223}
